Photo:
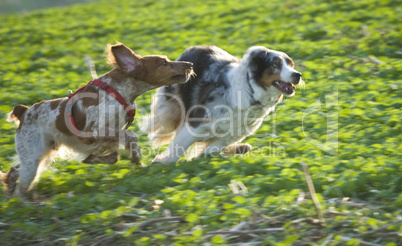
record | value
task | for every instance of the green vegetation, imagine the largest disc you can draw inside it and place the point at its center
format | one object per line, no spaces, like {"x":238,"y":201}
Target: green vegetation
{"x":15,"y":6}
{"x":349,"y":51}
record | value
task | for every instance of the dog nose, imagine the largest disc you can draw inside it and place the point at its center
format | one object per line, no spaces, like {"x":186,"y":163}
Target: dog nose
{"x":297,"y":75}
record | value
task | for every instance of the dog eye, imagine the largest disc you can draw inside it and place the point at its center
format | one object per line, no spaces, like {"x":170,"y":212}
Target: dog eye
{"x":164,"y":63}
{"x":277,"y":64}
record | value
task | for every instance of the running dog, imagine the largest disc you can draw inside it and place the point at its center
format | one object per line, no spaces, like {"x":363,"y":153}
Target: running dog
{"x":224,"y":103}
{"x":90,"y":121}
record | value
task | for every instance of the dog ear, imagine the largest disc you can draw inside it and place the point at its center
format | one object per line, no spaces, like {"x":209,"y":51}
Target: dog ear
{"x":258,"y":62}
{"x":124,"y":58}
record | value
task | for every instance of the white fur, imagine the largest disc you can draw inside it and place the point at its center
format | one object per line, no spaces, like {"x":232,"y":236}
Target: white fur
{"x":11,"y":118}
{"x":225,"y":125}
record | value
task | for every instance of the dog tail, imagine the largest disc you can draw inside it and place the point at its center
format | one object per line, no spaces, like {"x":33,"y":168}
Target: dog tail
{"x":17,"y":114}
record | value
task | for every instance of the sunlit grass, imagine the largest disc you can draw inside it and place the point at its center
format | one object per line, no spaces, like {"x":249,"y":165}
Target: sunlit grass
{"x":332,"y":43}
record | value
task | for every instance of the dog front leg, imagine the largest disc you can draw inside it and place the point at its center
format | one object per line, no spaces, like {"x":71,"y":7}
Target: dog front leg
{"x":184,"y":138}
{"x":132,"y":146}
{"x":112,"y":138}
{"x":130,"y":142}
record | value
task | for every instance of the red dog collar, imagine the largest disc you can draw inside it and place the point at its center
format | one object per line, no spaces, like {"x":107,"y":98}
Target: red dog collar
{"x":109,"y":90}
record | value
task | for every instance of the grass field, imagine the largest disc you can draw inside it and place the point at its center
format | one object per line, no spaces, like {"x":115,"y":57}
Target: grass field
{"x":345,"y":125}
{"x":22,"y":6}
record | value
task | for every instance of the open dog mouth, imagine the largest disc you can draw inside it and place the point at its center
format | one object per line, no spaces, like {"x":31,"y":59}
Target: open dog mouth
{"x":184,"y":77}
{"x":284,"y":87}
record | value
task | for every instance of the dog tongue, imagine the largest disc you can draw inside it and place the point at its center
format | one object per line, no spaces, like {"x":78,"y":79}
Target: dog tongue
{"x":286,"y":87}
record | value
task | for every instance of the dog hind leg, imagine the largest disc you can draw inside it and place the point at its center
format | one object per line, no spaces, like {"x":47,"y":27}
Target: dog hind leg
{"x":34,"y":156}
{"x":30,"y":171}
{"x":10,"y":179}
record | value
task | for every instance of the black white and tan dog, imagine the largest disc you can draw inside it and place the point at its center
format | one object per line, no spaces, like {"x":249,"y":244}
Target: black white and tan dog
{"x":223,"y":103}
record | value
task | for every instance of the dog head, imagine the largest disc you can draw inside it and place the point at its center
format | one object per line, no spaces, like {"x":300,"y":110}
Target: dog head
{"x":273,"y":70}
{"x":154,"y":70}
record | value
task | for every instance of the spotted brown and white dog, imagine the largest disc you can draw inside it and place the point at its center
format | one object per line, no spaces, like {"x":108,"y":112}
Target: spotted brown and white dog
{"x":91,"y":121}
{"x":224,"y":103}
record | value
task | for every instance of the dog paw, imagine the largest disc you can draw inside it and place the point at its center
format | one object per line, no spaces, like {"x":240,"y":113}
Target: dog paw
{"x":135,"y":156}
{"x":237,"y":149}
{"x":242,"y":149}
{"x":135,"y":160}
{"x":109,"y":159}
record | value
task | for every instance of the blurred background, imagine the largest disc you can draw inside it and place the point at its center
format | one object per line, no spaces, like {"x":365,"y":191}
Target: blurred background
{"x":18,"y":6}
